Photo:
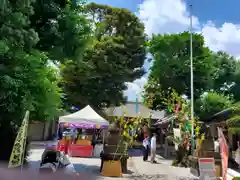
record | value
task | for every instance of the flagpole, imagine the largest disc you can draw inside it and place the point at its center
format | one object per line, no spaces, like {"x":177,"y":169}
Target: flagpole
{"x":191,"y":75}
{"x":137,"y":105}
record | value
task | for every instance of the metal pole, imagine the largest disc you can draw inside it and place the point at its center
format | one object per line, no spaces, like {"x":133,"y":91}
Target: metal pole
{"x":191,"y":70}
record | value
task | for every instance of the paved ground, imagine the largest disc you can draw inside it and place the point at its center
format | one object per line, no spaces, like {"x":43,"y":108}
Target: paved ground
{"x":89,"y":168}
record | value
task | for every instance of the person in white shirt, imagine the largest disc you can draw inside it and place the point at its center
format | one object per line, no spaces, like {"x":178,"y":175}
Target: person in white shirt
{"x":153,"y":148}
{"x":216,"y":145}
{"x":69,"y":167}
{"x":145,"y":148}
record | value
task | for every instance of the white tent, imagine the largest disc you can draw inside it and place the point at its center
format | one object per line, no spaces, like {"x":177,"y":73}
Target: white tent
{"x":84,"y":116}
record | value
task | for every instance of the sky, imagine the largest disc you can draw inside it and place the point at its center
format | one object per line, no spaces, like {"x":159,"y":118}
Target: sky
{"x":217,"y":20}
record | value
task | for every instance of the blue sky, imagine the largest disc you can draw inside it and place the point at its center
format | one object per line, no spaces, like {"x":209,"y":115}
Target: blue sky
{"x":217,"y":20}
{"x":219,"y":11}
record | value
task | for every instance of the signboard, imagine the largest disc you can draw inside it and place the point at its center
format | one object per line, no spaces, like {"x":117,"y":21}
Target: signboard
{"x":224,"y":153}
{"x":207,"y":169}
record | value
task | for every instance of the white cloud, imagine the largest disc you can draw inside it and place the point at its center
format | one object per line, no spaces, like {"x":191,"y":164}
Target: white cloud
{"x":172,"y":16}
{"x":225,"y":38}
{"x":165,"y":16}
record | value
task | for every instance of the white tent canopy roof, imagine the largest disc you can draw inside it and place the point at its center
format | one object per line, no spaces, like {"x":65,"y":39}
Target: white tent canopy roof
{"x":84,"y":116}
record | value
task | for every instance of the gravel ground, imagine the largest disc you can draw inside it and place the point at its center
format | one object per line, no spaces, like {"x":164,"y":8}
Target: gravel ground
{"x":161,"y":170}
{"x":138,"y":170}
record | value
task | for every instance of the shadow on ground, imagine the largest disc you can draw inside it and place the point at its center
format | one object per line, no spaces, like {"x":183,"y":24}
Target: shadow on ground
{"x":87,"y":168}
{"x":139,"y":153}
{"x":159,"y":177}
{"x":135,"y":152}
{"x":87,"y":172}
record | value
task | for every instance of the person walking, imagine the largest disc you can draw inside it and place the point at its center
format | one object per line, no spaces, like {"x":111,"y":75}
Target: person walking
{"x":145,"y":148}
{"x":153,"y":148}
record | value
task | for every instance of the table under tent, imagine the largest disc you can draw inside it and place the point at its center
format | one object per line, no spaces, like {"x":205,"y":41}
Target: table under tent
{"x":88,"y":127}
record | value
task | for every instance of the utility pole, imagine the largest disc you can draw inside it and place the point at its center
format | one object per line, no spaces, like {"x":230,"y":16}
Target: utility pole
{"x":191,"y":71}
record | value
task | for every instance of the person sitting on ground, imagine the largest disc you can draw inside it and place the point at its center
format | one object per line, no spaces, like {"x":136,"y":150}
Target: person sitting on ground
{"x":68,"y":166}
{"x":53,"y":161}
{"x":50,"y":161}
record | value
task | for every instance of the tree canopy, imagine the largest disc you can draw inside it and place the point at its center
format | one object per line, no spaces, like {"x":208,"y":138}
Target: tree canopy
{"x":171,"y":65}
{"x":27,"y":82}
{"x":62,"y":28}
{"x":115,"y":56}
{"x":35,"y":35}
{"x":211,"y":103}
{"x":171,"y":68}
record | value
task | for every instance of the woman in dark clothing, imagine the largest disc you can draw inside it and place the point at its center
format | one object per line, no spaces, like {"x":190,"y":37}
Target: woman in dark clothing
{"x":145,"y":148}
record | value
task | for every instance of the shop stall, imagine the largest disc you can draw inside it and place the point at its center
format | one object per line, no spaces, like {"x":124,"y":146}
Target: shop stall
{"x":87,"y":125}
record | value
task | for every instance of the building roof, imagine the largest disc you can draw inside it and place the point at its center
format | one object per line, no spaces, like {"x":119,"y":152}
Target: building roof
{"x":220,"y":116}
{"x":130,"y":108}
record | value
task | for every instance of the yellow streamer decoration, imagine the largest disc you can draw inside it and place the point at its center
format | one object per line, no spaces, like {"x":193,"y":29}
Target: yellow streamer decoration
{"x":16,"y":158}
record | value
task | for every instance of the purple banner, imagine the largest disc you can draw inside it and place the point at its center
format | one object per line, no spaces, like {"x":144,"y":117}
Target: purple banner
{"x":85,"y":126}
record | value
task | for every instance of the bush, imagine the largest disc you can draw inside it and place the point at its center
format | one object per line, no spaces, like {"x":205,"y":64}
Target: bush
{"x":175,"y":163}
{"x":8,"y":136}
{"x":6,"y":143}
{"x":236,"y":178}
{"x":212,"y":103}
{"x":181,"y":157}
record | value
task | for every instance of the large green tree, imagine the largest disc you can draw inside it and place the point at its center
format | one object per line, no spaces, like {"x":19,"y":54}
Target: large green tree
{"x":62,"y":28}
{"x":171,"y":65}
{"x":115,"y":56}
{"x":211,"y":103}
{"x":225,"y":71}
{"x":26,"y":80}
{"x":234,"y":87}
{"x":227,"y":75}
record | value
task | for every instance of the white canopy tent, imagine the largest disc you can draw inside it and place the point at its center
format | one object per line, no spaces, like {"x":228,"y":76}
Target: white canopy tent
{"x":84,"y":116}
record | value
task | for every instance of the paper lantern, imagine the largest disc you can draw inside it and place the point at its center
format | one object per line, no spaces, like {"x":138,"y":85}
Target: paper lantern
{"x":97,"y":126}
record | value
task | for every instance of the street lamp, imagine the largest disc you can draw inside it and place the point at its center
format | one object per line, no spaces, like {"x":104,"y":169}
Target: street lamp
{"x":191,"y":75}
